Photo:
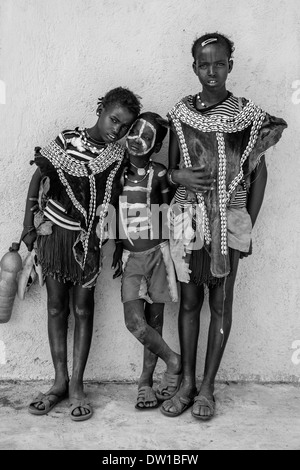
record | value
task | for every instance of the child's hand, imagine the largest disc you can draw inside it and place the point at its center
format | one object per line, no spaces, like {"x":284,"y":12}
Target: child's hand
{"x":195,"y":179}
{"x":245,"y":254}
{"x":117,"y":260}
{"x":29,"y":236}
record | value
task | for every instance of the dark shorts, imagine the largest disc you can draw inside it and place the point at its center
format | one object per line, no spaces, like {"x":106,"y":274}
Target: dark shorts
{"x":149,"y":275}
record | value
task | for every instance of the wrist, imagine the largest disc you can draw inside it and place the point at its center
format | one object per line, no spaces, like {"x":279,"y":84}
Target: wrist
{"x":28,"y":228}
{"x":171,"y":174}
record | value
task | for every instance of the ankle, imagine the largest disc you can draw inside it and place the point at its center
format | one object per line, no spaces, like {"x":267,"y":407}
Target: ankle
{"x":174,"y":364}
{"x":145,"y":380}
{"x":207,"y":388}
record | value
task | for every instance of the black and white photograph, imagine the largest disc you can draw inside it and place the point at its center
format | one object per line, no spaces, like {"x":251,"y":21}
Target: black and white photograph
{"x":149,"y":227}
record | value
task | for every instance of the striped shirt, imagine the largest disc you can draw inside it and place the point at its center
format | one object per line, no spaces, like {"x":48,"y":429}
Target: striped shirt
{"x":78,"y":144}
{"x":228,"y":107}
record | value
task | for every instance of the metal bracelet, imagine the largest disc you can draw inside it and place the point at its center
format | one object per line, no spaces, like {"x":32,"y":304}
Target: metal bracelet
{"x":170,"y":172}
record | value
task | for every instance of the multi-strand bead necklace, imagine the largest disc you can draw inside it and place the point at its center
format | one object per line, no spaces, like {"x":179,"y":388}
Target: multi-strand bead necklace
{"x":65,"y":163}
{"x":250,"y":115}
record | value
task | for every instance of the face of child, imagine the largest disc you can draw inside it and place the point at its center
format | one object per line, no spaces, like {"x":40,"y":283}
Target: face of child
{"x":141,"y":138}
{"x":113,"y":123}
{"x":212,"y":66}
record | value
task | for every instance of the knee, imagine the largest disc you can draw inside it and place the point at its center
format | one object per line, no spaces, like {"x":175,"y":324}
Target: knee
{"x":190,"y":307}
{"x":220,"y":309}
{"x":82,"y":312}
{"x":136,"y":327}
{"x":57,"y":309}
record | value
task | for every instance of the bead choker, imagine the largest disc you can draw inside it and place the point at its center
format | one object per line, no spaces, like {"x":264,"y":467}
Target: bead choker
{"x":141,"y":171}
{"x":144,"y":176}
{"x":201,"y":102}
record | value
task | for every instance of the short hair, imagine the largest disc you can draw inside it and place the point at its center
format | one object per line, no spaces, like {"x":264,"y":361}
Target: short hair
{"x":124,"y":97}
{"x":157,"y":121}
{"x":221,"y":38}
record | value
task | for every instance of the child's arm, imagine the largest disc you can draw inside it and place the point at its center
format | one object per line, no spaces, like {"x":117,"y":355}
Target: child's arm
{"x":117,"y":255}
{"x":164,"y":186}
{"x":28,"y":235}
{"x":195,"y":178}
{"x":256,"y":194}
{"x":257,"y":189}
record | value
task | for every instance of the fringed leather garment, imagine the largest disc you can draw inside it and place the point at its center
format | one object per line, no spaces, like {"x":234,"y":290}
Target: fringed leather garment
{"x":230,"y":149}
{"x":76,"y":190}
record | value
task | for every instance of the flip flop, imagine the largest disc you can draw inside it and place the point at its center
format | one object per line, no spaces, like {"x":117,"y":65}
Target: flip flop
{"x":180,"y":403}
{"x":48,"y":400}
{"x":168,"y":381}
{"x":80,"y":403}
{"x":204,"y":401}
{"x":146,"y":394}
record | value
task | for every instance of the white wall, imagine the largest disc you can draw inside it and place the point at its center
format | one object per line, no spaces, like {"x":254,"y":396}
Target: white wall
{"x":56,"y":58}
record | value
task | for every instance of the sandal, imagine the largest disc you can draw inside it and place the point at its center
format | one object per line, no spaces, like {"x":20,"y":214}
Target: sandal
{"x":48,"y":400}
{"x":146,"y":394}
{"x":168,"y":381}
{"x":201,"y":400}
{"x":80,"y":403}
{"x":179,"y":403}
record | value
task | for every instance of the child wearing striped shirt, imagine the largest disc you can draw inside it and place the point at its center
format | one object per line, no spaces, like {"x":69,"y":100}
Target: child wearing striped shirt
{"x":77,"y":178}
{"x":217,"y":167}
{"x":148,"y":277}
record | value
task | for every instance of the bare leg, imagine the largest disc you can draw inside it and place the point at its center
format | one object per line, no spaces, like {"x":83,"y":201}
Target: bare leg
{"x":146,"y":396}
{"x":220,"y":301}
{"x":136,"y":323}
{"x":191,"y":303}
{"x":154,"y":317}
{"x":58,"y":312}
{"x":83,"y":304}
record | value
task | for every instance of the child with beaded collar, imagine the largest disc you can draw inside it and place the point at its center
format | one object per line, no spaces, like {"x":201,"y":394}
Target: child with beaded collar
{"x":217,"y":165}
{"x":77,"y":178}
{"x":148,"y":278}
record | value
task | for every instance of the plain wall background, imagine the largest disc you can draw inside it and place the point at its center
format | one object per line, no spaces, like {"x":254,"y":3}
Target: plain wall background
{"x":56,"y":58}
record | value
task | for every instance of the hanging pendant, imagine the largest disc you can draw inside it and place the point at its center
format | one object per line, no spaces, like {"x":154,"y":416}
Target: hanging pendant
{"x":141,"y":171}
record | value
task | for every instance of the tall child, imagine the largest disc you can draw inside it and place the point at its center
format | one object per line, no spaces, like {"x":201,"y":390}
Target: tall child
{"x":217,"y":164}
{"x":148,"y":279}
{"x":77,"y":178}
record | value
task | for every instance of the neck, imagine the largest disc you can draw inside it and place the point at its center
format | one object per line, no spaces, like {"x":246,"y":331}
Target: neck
{"x":94,"y":134}
{"x":139,"y":161}
{"x":211,"y":97}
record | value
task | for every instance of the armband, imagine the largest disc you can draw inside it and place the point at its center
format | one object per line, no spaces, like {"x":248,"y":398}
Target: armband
{"x":170,"y":179}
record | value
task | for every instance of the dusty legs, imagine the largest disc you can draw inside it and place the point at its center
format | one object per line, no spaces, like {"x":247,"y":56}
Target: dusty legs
{"x":220,"y":302}
{"x":58,"y":313}
{"x":145,"y":322}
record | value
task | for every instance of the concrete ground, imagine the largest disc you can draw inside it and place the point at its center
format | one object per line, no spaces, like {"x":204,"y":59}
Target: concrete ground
{"x":249,"y":416}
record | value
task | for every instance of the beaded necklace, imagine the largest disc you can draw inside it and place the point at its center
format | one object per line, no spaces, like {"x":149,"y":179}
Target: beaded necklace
{"x":140,"y":170}
{"x":85,"y":137}
{"x":250,"y":114}
{"x":143,"y":178}
{"x":200,"y":101}
{"x":65,"y":163}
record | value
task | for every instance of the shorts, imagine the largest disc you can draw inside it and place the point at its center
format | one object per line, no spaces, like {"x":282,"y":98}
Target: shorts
{"x":149,"y":275}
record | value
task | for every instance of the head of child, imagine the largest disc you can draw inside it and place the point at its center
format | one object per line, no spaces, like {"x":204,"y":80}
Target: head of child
{"x":212,"y":55}
{"x":146,"y":136}
{"x":116,"y":112}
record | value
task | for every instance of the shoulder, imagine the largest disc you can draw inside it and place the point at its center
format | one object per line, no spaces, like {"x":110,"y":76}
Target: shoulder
{"x":183,"y":106}
{"x":159,"y":169}
{"x":66,"y":136}
{"x":184,"y":100}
